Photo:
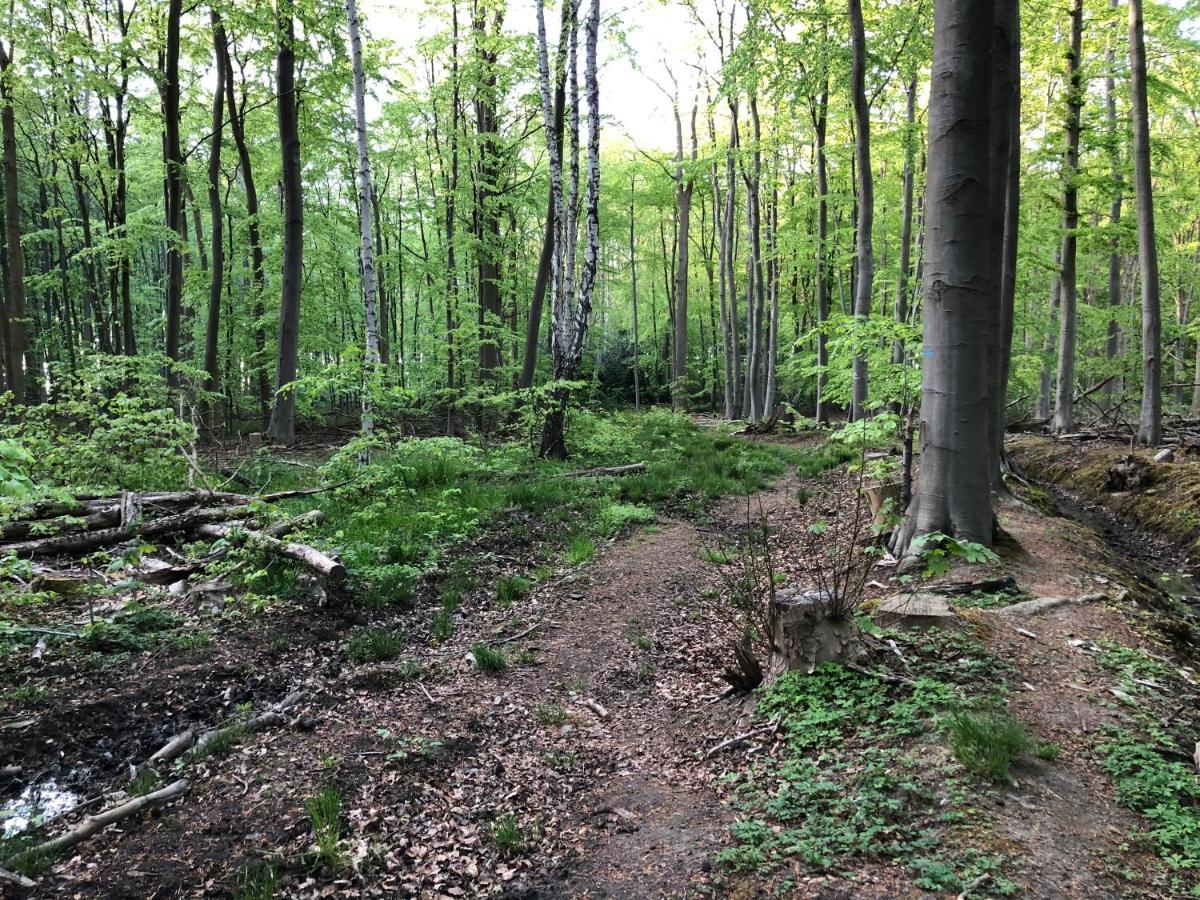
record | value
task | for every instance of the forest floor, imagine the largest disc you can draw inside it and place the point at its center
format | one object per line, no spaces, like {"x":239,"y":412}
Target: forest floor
{"x":589,"y":764}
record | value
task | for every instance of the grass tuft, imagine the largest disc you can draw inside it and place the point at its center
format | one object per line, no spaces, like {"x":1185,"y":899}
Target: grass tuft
{"x":489,"y":658}
{"x":512,"y":588}
{"x":325,"y":814}
{"x":986,"y":742}
{"x":580,"y":550}
{"x":375,"y":645}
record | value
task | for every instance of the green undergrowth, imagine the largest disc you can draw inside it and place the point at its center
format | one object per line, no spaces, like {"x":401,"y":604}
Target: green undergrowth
{"x":864,"y":772}
{"x":1145,"y":758}
{"x":401,"y":515}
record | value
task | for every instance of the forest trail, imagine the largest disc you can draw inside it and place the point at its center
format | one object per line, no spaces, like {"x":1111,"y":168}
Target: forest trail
{"x":592,"y":748}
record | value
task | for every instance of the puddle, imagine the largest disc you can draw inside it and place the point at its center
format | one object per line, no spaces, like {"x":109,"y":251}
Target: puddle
{"x":36,"y":804}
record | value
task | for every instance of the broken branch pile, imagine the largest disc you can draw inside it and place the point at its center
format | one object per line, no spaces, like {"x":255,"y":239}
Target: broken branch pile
{"x":77,"y":527}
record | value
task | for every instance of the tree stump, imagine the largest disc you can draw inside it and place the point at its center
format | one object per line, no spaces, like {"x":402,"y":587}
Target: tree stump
{"x":809,"y":630}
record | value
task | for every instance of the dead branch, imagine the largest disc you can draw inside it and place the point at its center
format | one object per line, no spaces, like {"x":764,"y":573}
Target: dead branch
{"x":269,"y":719}
{"x":17,"y":881}
{"x":97,"y":823}
{"x":600,"y":471}
{"x":516,"y":637}
{"x":84,"y":542}
{"x":319,"y":562}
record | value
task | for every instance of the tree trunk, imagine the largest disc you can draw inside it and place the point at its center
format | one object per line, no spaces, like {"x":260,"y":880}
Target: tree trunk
{"x":820,"y":117}
{"x":954,"y":492}
{"x":258,"y":276}
{"x":1150,"y":420}
{"x":212,"y":329}
{"x":864,"y":252}
{"x":906,"y":215}
{"x":637,"y":350}
{"x":684,"y":185}
{"x":173,"y":162}
{"x":282,"y":428}
{"x":15,"y":256}
{"x":487,"y":198}
{"x":1064,"y":407}
{"x":1112,"y":347}
{"x":366,"y":241}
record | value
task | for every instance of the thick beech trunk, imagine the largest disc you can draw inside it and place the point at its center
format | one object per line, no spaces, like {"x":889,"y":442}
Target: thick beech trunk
{"x":212,"y":329}
{"x":864,"y":251}
{"x":954,"y":491}
{"x":14,"y":306}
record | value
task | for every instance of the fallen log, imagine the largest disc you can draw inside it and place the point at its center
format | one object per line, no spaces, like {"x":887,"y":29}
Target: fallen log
{"x":86,"y":541}
{"x":97,"y":823}
{"x":319,"y":562}
{"x":601,"y":471}
{"x":17,"y":881}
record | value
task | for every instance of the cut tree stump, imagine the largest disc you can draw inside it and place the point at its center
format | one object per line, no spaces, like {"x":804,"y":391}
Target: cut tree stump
{"x":919,"y":610}
{"x":810,"y":631}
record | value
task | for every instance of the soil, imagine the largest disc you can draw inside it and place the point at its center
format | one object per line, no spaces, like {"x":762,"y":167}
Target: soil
{"x":595,"y":741}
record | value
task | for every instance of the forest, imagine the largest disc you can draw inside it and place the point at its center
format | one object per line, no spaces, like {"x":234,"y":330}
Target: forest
{"x":722,"y":448}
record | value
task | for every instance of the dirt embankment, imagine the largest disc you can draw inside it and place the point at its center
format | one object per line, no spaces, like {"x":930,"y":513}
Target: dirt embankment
{"x":1162,"y":498}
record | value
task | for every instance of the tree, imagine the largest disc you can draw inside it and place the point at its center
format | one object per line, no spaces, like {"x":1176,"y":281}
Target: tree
{"x":173,"y":163}
{"x":216,"y":283}
{"x":14,"y":307}
{"x":961,"y":309}
{"x":282,"y":428}
{"x":864,"y":250}
{"x":1150,"y":419}
{"x":366,"y":238}
{"x":1064,"y":404}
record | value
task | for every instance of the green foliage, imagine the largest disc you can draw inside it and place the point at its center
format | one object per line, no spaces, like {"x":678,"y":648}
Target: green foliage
{"x":552,"y":714}
{"x":145,"y":782}
{"x":132,"y":628}
{"x":617,"y":517}
{"x":937,"y":550}
{"x":325,"y":815}
{"x":257,"y":881}
{"x":986,"y":741}
{"x":512,"y":588}
{"x":111,"y":427}
{"x":15,"y":460}
{"x":376,"y":645}
{"x":489,"y":659}
{"x":873,"y":433}
{"x":580,"y":550}
{"x":508,"y":836}
{"x":1166,"y":792}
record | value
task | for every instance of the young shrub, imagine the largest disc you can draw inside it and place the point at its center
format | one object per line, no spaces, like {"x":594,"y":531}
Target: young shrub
{"x":375,"y":645}
{"x":325,"y":814}
{"x":489,"y":659}
{"x":986,"y":742}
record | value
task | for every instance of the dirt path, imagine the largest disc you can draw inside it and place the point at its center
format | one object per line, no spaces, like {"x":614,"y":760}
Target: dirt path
{"x":590,"y":752}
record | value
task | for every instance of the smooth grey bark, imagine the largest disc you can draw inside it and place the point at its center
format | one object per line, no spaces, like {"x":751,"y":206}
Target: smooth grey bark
{"x":864,"y":251}
{"x":723,"y":276}
{"x":366,"y":236}
{"x":953,"y":493}
{"x":820,"y":116}
{"x":1113,"y":345}
{"x":637,"y":350}
{"x":216,"y":284}
{"x":906,"y":215}
{"x":1064,"y":406}
{"x":1005,"y":190}
{"x":684,"y":185}
{"x":282,"y":428}
{"x":727,"y":228}
{"x":769,"y":387}
{"x":1150,"y":419}
{"x":487,"y":208}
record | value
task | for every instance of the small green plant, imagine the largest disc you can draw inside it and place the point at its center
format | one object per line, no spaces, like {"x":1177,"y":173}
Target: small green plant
{"x":145,"y":782}
{"x":616,"y":518}
{"x":325,"y":814}
{"x":512,"y":588}
{"x":375,"y":645}
{"x":937,"y":550}
{"x":489,"y":659}
{"x":986,"y":741}
{"x":580,"y":550}
{"x":507,"y":835}
{"x":1047,"y":750}
{"x":258,"y":881}
{"x":219,"y":745}
{"x":719,"y":556}
{"x":552,"y":714}
{"x":26,"y":693}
